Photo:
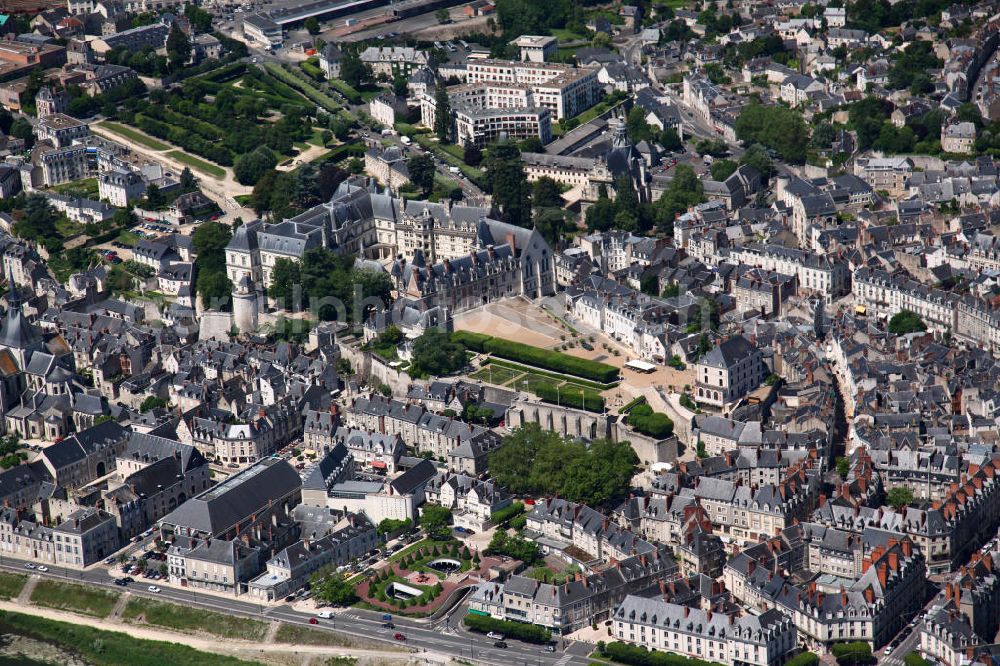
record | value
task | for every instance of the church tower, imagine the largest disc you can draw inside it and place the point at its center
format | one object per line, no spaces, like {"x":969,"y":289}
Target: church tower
{"x":16,"y":333}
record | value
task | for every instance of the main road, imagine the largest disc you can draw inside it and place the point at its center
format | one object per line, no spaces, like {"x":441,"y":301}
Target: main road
{"x":445,"y":637}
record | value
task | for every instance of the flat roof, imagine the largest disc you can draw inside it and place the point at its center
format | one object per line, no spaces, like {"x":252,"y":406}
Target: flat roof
{"x":641,"y":366}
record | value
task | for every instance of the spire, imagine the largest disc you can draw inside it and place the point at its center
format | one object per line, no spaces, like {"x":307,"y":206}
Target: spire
{"x":13,"y":294}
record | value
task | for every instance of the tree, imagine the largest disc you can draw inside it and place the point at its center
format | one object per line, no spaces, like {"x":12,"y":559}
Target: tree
{"x":776,"y":127}
{"x":905,"y":322}
{"x":510,"y":188}
{"x":154,"y":198}
{"x":443,"y":16}
{"x":435,"y":521}
{"x":209,"y":241}
{"x":178,"y":47}
{"x":152,"y":402}
{"x":803,"y":659}
{"x":21,"y":129}
{"x":843,"y":467}
{"x":422,"y":170}
{"x":472,"y":155}
{"x":516,"y":547}
{"x":435,"y":354}
{"x":333,"y":589}
{"x":756,"y":156}
{"x":546,"y":192}
{"x":442,"y":114}
{"x":601,"y":216}
{"x":899,"y":497}
{"x":354,"y":72}
{"x":311,"y":25}
{"x":285,"y":277}
{"x":685,"y":190}
{"x":670,"y":139}
{"x":722,"y":169}
{"x":637,"y":126}
{"x":200,"y":19}
{"x":251,"y":167}
{"x":188,"y":182}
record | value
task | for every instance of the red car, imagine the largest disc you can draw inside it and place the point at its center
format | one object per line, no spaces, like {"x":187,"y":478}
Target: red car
{"x":313,"y":620}
{"x":399,"y":637}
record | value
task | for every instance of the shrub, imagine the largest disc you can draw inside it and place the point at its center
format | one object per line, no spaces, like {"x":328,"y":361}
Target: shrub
{"x":529,"y":633}
{"x":570,"y":396}
{"x":650,"y":423}
{"x":639,"y":656}
{"x":474,"y":341}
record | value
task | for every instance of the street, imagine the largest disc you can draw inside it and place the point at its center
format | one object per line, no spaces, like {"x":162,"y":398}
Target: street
{"x":421,"y":636}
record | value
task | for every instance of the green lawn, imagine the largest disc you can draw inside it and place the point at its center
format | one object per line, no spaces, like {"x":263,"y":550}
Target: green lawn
{"x":243,"y":199}
{"x":111,"y":648}
{"x":495,"y":375}
{"x":86,"y":188}
{"x":133,"y":135}
{"x":75,"y":598}
{"x":11,"y":585}
{"x":551,"y":376}
{"x":304,"y":87}
{"x":414,"y":547}
{"x":431,"y":144}
{"x":67,"y":228}
{"x":564,"y":35}
{"x":299,"y":635}
{"x":594,"y":111}
{"x":192,"y":620}
{"x":208,"y":168}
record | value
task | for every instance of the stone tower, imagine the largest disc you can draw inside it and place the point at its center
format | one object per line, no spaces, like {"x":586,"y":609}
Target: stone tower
{"x":245,"y":306}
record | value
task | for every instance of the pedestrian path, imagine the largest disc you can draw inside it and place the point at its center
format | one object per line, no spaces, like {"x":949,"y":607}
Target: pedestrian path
{"x":29,"y":587}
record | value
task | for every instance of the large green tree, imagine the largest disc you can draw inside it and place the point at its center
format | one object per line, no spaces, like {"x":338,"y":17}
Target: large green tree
{"x":251,"y":167}
{"x":285,"y":277}
{"x":436,"y":520}
{"x":683,"y":191}
{"x":442,"y":114}
{"x":209,"y":242}
{"x":422,"y":170}
{"x":178,"y":47}
{"x":435,"y":354}
{"x":510,"y":188}
{"x":776,"y":127}
{"x":354,"y":72}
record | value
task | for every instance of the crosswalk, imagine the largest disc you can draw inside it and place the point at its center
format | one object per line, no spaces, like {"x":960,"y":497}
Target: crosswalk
{"x":564,"y":660}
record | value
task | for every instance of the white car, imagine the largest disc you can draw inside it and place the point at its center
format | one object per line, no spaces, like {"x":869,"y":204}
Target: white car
{"x":324,"y":615}
{"x":494,"y":636}
{"x":43,"y":568}
{"x":154,"y":589}
{"x":29,"y":565}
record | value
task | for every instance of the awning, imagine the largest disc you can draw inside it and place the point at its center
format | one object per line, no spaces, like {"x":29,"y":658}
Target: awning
{"x":641,"y":366}
{"x":378,"y":464}
{"x":860,"y":309}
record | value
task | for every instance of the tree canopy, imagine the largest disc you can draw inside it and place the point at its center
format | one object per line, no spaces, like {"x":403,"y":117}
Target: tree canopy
{"x":904,"y":322}
{"x":776,"y":127}
{"x":436,"y":521}
{"x":510,"y":188}
{"x":533,"y":461}
{"x":434,"y":353}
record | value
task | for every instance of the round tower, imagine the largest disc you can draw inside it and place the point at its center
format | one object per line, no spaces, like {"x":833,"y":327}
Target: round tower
{"x":245,"y":306}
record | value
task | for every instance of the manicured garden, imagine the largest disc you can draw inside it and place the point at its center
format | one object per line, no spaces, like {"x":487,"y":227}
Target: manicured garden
{"x":197,"y":164}
{"x":536,"y":356}
{"x":75,"y":598}
{"x":132,"y":135}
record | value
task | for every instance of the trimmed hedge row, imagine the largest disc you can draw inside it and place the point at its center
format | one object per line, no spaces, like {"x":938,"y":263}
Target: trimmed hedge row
{"x":529,"y":633}
{"x":536,"y":356}
{"x":552,"y":360}
{"x":474,"y":341}
{"x":640,"y":656}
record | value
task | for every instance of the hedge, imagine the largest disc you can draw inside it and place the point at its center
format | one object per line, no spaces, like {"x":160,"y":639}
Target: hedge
{"x":650,"y":423}
{"x":639,"y":656}
{"x":575,"y":381}
{"x":474,"y":341}
{"x":529,"y":633}
{"x":508,"y":512}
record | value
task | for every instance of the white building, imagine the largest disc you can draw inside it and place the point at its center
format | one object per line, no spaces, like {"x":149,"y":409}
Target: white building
{"x":750,"y":640}
{"x":727,"y":373}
